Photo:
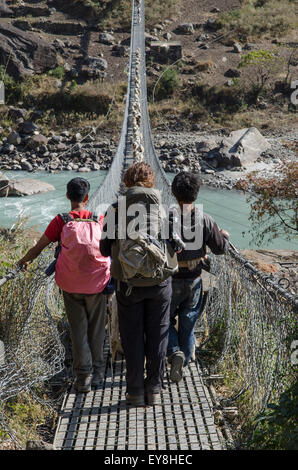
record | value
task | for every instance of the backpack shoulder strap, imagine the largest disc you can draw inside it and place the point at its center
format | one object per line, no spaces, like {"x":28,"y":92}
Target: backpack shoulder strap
{"x":66,"y":217}
{"x":94,"y":217}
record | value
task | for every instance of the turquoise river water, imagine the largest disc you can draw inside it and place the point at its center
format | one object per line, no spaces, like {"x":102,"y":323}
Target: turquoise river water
{"x":228,"y":208}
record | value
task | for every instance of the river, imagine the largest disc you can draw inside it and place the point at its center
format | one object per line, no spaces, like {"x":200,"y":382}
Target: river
{"x":228,"y":208}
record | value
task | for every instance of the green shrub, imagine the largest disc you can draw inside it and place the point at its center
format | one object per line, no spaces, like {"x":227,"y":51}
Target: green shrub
{"x":167,"y":84}
{"x":276,"y":428}
{"x":82,"y":99}
{"x":14,"y":89}
{"x":262,"y":68}
{"x":219,"y":99}
{"x":58,"y":72}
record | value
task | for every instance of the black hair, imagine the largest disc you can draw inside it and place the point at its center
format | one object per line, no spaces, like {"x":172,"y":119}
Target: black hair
{"x":77,"y":189}
{"x":186,"y":186}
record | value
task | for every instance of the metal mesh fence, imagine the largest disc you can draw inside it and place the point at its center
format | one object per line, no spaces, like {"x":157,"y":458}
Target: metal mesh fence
{"x":29,"y":319}
{"x":251,"y":323}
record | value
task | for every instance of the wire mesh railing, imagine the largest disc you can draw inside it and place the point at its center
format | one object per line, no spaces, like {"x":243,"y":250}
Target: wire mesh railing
{"x":251,"y":323}
{"x":29,"y":318}
{"x":251,"y":320}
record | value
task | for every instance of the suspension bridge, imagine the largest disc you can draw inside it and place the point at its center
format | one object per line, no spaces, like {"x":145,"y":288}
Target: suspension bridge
{"x":258,"y":315}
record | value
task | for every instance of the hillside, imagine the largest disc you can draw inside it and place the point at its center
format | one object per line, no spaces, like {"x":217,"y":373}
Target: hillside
{"x":87,"y":57}
{"x":211,"y":69}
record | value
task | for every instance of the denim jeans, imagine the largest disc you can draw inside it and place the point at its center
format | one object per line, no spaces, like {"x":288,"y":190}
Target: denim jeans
{"x":186,"y":304}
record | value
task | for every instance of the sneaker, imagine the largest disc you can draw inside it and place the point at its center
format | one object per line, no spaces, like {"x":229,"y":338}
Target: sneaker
{"x":177,"y":361}
{"x":97,"y":378}
{"x":83,"y":383}
{"x":135,"y":400}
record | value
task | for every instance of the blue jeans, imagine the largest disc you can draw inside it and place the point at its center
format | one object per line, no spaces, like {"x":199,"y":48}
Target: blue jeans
{"x":186,"y":304}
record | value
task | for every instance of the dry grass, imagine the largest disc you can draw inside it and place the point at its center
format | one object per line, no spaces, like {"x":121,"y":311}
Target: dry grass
{"x":258,"y":18}
{"x":117,"y":14}
{"x":76,"y":105}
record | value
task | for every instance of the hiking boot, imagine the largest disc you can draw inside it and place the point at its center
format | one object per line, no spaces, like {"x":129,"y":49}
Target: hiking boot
{"x":152,"y":398}
{"x":177,"y":361}
{"x":135,"y":400}
{"x":97,"y":378}
{"x":83,"y":383}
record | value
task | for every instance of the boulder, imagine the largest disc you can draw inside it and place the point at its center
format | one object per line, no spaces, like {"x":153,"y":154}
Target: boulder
{"x":126,"y":41}
{"x":106,"y":38}
{"x":25,"y":187}
{"x":71,"y":28}
{"x":14,"y":138}
{"x":36,"y":141}
{"x":36,"y":114}
{"x":167,"y":36}
{"x":27,"y":127}
{"x":83,"y":169}
{"x":22,"y":24}
{"x":97,"y":63}
{"x":8,"y":148}
{"x":163,"y":51}
{"x":232,"y":73}
{"x":59,"y":44}
{"x":26,"y":166}
{"x":237,"y":48}
{"x":249,"y":46}
{"x":5,"y":11}
{"x":211,"y":24}
{"x":185,"y":28}
{"x":242,"y":147}
{"x":24,"y":53}
{"x":17,"y":113}
{"x":206,"y":146}
{"x":119,"y":50}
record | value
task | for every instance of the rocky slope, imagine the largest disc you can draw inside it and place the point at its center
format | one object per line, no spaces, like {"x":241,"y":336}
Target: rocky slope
{"x":35,"y":36}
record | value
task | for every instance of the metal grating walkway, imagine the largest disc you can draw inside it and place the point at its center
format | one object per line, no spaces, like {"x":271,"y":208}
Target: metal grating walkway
{"x":101,"y":420}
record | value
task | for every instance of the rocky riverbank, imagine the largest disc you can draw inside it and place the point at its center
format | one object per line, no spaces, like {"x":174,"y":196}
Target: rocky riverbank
{"x":192,"y":151}
{"x":27,"y":149}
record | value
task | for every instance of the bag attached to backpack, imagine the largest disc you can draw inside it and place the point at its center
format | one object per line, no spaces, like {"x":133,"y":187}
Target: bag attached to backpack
{"x":80,"y":267}
{"x":143,"y":259}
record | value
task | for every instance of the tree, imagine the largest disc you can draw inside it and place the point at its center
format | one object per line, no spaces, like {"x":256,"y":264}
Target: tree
{"x":262,"y":68}
{"x":14,"y":89}
{"x":274,"y":204}
{"x":167,"y":83}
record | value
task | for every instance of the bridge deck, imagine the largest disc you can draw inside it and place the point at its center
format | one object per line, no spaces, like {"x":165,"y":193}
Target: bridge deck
{"x":101,"y":420}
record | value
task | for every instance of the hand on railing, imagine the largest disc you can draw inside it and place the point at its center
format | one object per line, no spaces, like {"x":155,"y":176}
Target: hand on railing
{"x":225,"y":233}
{"x":23,"y":266}
{"x":10,"y":275}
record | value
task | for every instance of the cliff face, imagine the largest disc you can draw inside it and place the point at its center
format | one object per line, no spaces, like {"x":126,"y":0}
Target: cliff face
{"x":24,"y":53}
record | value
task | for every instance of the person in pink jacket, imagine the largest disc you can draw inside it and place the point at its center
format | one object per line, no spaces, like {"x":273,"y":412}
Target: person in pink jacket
{"x":82,"y":273}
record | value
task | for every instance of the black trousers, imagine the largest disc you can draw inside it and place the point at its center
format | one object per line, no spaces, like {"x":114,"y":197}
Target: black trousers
{"x":144,"y":318}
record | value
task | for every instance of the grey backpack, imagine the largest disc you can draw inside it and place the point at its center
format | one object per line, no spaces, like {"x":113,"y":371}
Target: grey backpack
{"x":143,"y":259}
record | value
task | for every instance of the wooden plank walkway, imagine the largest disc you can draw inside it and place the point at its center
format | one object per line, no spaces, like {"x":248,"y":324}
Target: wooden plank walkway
{"x":101,"y":420}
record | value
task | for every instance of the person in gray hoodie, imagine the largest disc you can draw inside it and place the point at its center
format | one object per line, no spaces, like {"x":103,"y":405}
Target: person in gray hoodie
{"x":197,"y":230}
